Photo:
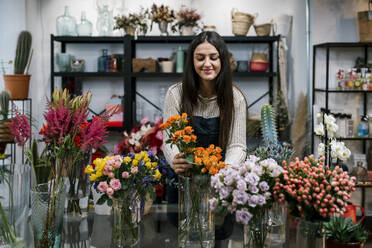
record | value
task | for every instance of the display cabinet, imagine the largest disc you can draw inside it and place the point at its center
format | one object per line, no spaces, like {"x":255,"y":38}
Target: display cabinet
{"x":129,"y":78}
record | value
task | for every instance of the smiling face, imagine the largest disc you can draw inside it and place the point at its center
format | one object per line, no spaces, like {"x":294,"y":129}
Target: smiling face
{"x":207,"y":61}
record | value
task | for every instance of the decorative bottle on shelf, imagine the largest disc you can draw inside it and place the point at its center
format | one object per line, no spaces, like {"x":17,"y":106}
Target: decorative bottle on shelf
{"x":84,"y":28}
{"x":105,"y":23}
{"x":363,"y":127}
{"x":66,"y":24}
{"x":179,"y":60}
{"x":102,"y":61}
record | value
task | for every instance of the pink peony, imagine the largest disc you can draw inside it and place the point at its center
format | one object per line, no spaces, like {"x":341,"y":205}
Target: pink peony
{"x":102,"y":186}
{"x":125,"y":174}
{"x":110,"y":191}
{"x":115,"y":184}
{"x":134,"y":170}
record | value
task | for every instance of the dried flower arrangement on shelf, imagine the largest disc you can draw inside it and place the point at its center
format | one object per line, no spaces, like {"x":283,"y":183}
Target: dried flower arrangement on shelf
{"x":132,"y":21}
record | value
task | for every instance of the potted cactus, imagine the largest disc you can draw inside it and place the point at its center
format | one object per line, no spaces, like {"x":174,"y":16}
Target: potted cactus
{"x":5,"y":135}
{"x":17,"y":84}
{"x":341,"y":232}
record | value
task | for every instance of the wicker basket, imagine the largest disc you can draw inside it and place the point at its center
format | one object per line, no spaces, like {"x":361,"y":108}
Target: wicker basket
{"x":365,"y":27}
{"x":241,"y":22}
{"x":263,"y":29}
{"x":140,"y":65}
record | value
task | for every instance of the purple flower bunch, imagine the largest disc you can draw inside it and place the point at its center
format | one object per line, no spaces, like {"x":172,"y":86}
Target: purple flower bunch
{"x":245,"y":188}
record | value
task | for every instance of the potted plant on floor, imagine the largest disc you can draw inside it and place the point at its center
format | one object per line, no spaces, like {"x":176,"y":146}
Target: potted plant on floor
{"x":17,"y":84}
{"x":5,"y":134}
{"x":342,"y":233}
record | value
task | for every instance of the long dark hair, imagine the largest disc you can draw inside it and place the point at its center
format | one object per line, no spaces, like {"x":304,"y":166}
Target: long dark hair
{"x":224,"y":86}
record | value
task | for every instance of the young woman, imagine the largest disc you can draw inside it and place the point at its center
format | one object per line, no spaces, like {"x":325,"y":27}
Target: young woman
{"x":217,"y":109}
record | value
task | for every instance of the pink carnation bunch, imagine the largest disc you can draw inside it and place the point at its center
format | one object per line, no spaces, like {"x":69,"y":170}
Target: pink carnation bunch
{"x":313,"y":190}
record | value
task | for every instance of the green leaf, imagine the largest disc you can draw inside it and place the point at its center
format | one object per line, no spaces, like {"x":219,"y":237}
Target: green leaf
{"x":109,"y":202}
{"x":102,"y":199}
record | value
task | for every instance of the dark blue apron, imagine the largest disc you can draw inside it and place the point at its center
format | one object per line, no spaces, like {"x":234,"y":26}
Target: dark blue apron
{"x":207,"y":131}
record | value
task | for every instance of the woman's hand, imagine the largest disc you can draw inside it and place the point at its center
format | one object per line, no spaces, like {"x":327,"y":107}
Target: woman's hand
{"x":180,"y":164}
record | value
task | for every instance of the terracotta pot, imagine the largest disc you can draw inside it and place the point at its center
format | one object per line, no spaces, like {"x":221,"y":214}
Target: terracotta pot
{"x":17,"y":85}
{"x":335,"y":244}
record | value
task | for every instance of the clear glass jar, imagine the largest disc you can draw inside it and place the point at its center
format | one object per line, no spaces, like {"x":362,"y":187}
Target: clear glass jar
{"x":66,"y":24}
{"x":84,"y":28}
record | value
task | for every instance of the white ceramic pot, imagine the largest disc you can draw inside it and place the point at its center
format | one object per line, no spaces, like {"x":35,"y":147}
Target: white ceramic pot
{"x":167,"y":66}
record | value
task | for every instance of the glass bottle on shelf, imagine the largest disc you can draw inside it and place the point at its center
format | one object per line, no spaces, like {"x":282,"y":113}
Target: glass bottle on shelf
{"x":349,"y":125}
{"x":84,"y":28}
{"x":340,"y":79}
{"x":363,"y":127}
{"x":105,"y":23}
{"x":179,"y":60}
{"x":66,"y":24}
{"x":113,"y":66}
{"x":102,"y":61}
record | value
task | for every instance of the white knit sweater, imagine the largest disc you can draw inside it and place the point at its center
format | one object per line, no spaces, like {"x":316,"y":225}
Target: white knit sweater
{"x":208,"y":108}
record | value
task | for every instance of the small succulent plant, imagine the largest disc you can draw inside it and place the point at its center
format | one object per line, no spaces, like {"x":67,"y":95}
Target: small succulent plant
{"x":344,"y":230}
{"x":276,"y":151}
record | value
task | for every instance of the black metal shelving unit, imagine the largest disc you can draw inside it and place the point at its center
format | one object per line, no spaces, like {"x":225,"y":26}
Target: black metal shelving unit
{"x":327,"y":90}
{"x":130,"y":78}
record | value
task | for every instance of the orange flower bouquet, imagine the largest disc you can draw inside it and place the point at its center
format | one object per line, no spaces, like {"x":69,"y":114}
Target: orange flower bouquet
{"x":205,"y":160}
{"x":196,"y":225}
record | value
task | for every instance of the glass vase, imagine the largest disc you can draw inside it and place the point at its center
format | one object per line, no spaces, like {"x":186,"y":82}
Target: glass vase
{"x":163,"y":27}
{"x":77,"y":187}
{"x":66,"y":24}
{"x":47,"y":204}
{"x":195,"y":219}
{"x":277,"y":221}
{"x":105,"y":21}
{"x":14,"y":197}
{"x":126,"y":211}
{"x":309,"y":234}
{"x":84,"y":28}
{"x":255,"y":232}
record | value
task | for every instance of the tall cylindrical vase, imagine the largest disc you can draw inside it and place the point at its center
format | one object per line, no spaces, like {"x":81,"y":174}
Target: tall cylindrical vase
{"x":14,"y":199}
{"x":47,"y":203}
{"x":196,"y":222}
{"x":277,"y":221}
{"x":309,"y":234}
{"x":255,"y":232}
{"x":77,"y":187}
{"x":126,"y":221}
